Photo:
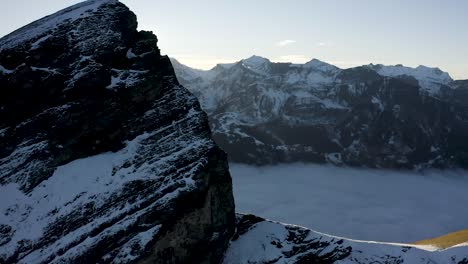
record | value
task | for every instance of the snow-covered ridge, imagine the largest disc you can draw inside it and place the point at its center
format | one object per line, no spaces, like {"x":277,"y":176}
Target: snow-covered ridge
{"x":257,"y":63}
{"x":260,"y":71}
{"x":262,"y":241}
{"x":320,"y":65}
{"x":430,"y":79}
{"x":310,"y":77}
{"x":191,"y":73}
{"x":38,"y":28}
{"x":421,"y":71}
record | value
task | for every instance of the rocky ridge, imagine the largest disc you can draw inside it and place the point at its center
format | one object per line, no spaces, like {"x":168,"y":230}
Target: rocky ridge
{"x":104,"y":157}
{"x":372,"y":116}
{"x":260,"y":241}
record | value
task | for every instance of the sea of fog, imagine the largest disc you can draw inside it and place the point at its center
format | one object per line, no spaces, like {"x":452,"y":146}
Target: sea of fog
{"x":377,"y":205}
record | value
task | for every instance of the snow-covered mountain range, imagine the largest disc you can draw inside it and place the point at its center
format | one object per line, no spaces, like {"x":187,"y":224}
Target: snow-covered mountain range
{"x":374,"y":115}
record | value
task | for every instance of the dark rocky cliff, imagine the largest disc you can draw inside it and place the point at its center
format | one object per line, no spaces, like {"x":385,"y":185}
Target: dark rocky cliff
{"x":104,"y":157}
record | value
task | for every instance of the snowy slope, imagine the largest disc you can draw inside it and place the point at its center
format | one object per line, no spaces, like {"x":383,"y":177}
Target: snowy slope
{"x":103,"y":182}
{"x":48,"y":23}
{"x":261,"y":241}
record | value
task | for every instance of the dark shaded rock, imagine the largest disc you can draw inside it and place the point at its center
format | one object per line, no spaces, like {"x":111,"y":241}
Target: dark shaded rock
{"x":104,"y":157}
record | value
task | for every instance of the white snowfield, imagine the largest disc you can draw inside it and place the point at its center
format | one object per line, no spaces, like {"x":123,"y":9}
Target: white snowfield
{"x":365,"y":204}
{"x":273,"y":242}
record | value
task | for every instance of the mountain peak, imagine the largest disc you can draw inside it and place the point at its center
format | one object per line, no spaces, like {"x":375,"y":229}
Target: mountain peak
{"x":257,"y":64}
{"x":435,"y":70}
{"x":37,"y":29}
{"x":320,"y":65}
{"x":315,"y":61}
{"x":255,"y":60}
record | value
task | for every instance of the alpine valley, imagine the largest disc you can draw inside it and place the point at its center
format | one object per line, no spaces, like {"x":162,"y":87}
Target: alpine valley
{"x":372,"y":116}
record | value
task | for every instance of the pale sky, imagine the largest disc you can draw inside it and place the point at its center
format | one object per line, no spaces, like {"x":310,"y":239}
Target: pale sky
{"x":201,"y":33}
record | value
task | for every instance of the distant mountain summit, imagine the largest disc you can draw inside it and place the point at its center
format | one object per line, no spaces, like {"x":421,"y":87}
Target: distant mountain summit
{"x":263,"y":112}
{"x":257,"y":63}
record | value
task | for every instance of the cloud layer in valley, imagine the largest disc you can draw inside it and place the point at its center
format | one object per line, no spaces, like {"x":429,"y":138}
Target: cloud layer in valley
{"x":362,"y":204}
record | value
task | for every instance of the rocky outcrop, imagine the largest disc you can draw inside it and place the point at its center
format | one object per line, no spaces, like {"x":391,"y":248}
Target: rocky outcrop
{"x":104,"y":157}
{"x":373,"y":116}
{"x":260,"y":241}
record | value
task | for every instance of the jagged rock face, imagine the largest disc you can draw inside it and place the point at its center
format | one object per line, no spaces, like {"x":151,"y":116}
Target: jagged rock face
{"x":260,"y":241}
{"x":373,"y":116}
{"x":104,"y":157}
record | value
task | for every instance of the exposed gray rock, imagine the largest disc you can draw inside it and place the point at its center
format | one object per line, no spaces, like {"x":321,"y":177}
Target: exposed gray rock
{"x":104,"y":157}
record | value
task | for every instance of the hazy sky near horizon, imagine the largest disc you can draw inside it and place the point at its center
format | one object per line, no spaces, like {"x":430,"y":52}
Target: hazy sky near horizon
{"x":342,"y":32}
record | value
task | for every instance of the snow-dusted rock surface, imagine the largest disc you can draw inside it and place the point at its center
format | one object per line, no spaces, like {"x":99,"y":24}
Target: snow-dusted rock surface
{"x":373,"y":116}
{"x":259,"y":241}
{"x":430,"y":79}
{"x":104,"y":157}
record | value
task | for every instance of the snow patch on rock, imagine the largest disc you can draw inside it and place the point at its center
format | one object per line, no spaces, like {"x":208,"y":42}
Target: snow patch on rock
{"x":38,"y":28}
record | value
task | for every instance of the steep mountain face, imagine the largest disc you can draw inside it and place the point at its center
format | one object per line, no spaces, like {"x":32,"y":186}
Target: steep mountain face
{"x":258,"y":241}
{"x":374,"y":116}
{"x":104,"y":157}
